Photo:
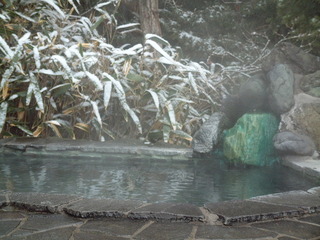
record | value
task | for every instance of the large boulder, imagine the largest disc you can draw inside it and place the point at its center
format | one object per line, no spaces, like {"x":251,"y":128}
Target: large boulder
{"x":310,"y":84}
{"x":303,"y":118}
{"x":209,"y":134}
{"x":250,"y":142}
{"x":281,"y":86}
{"x":253,"y":94}
{"x":298,"y":60}
{"x":290,"y":143}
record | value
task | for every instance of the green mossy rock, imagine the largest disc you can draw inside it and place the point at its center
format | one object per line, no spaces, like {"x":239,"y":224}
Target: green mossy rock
{"x":250,"y":142}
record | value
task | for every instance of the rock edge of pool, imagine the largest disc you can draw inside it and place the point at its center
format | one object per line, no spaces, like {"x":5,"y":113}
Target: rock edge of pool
{"x":261,"y":208}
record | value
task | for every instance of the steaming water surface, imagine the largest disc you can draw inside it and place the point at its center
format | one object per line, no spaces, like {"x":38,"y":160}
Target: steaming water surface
{"x":152,"y":180}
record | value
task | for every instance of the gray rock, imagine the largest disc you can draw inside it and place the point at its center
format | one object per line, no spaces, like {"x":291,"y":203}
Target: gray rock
{"x":253,"y":93}
{"x":287,"y":53}
{"x":292,"y":143}
{"x":281,"y":96}
{"x":232,"y":108}
{"x":303,"y":118}
{"x":310,"y":84}
{"x":208,"y":136}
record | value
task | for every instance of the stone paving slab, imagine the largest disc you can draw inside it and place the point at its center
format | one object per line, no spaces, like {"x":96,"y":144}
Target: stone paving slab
{"x":41,"y":202}
{"x":304,"y":164}
{"x":88,"y":208}
{"x":300,"y":199}
{"x":225,"y":232}
{"x":311,"y":219}
{"x":83,"y":235}
{"x":53,"y":146}
{"x":18,"y":224}
{"x":168,"y":211}
{"x":113,"y":228}
{"x":3,"y":200}
{"x":315,"y":191}
{"x":230,"y":212}
{"x":291,"y":228}
{"x":165,"y":231}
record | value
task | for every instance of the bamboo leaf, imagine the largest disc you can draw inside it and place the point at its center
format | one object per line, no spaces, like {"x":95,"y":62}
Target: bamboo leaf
{"x":193,"y":83}
{"x":182,"y":135}
{"x":34,"y":88}
{"x":129,"y":25}
{"x":6,"y":49}
{"x":155,"y":98}
{"x":172,"y":115}
{"x":36,"y":55}
{"x":107,"y":93}
{"x":157,"y":39}
{"x":3,"y":114}
{"x":55,"y":129}
{"x":95,"y":80}
{"x":64,"y":63}
{"x":82,"y":126}
{"x":53,"y":4}
{"x":38,"y":131}
{"x":60,"y":89}
{"x":24,"y":129}
{"x":122,"y":98}
{"x":5,"y":77}
{"x":73,"y":5}
{"x":96,"y":112}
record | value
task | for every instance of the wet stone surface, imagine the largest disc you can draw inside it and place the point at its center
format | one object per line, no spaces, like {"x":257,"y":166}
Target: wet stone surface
{"x":224,"y":232}
{"x":249,"y":211}
{"x":40,"y":202}
{"x":168,"y":211}
{"x":17,"y":223}
{"x":300,"y":199}
{"x":87,"y":208}
{"x":291,"y":228}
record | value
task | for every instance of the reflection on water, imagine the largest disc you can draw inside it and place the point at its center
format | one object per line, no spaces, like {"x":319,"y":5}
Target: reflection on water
{"x":195,"y":181}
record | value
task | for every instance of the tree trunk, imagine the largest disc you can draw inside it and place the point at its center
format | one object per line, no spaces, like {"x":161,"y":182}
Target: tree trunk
{"x":149,"y":17}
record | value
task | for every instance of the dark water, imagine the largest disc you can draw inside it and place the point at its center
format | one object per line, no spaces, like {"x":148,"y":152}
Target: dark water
{"x":194,"y":181}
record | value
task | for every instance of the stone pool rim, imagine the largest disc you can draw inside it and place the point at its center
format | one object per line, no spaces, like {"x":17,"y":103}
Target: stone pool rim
{"x":261,"y":208}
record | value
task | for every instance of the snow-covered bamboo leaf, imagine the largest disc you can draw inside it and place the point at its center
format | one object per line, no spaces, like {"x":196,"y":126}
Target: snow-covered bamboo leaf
{"x":96,"y":112}
{"x":34,"y":88}
{"x":5,"y":48}
{"x":172,"y":115}
{"x":192,"y":82}
{"x":63,"y":62}
{"x":3,"y":114}
{"x":107,"y":93}
{"x":166,"y":132}
{"x":95,"y":80}
{"x":73,"y":5}
{"x":157,"y":39}
{"x":155,"y":98}
{"x":53,"y":4}
{"x":122,"y":98}
{"x":50,"y":72}
{"x":129,"y":25}
{"x":36,"y":56}
{"x":54,"y":122}
{"x":25,"y":17}
{"x":5,"y":77}
{"x":157,"y":47}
